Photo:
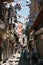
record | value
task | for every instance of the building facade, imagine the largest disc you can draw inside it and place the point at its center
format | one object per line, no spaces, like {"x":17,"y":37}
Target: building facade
{"x":36,"y":16}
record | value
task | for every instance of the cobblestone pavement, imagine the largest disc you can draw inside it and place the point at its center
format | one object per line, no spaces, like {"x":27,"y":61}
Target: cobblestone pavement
{"x":17,"y":59}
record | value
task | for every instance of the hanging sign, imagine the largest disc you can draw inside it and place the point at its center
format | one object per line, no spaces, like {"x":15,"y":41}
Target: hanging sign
{"x":2,"y":26}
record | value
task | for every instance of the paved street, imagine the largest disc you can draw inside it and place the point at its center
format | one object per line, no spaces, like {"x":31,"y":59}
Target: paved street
{"x":17,"y":59}
{"x":14,"y":60}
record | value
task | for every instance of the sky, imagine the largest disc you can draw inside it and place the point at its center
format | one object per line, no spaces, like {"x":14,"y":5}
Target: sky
{"x":23,"y":12}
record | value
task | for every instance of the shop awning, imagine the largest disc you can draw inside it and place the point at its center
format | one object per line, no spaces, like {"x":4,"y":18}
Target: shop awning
{"x":8,"y":0}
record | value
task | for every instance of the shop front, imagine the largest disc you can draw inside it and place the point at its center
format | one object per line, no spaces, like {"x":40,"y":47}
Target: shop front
{"x":39,"y":43}
{"x":7,"y":45}
{"x":38,"y":26}
{"x":2,"y":28}
{"x":38,"y":33}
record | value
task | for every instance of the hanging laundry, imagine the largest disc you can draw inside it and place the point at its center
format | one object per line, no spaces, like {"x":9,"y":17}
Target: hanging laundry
{"x":11,"y":12}
{"x":18,"y":6}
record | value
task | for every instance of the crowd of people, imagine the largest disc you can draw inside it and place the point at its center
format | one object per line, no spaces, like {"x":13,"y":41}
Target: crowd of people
{"x":27,"y":50}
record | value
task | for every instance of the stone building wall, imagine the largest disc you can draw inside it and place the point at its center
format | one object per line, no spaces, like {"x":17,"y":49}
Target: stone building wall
{"x":40,"y":45}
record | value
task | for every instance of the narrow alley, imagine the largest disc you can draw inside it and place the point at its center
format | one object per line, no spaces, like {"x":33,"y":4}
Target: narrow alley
{"x":17,"y":59}
{"x":21,"y":32}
